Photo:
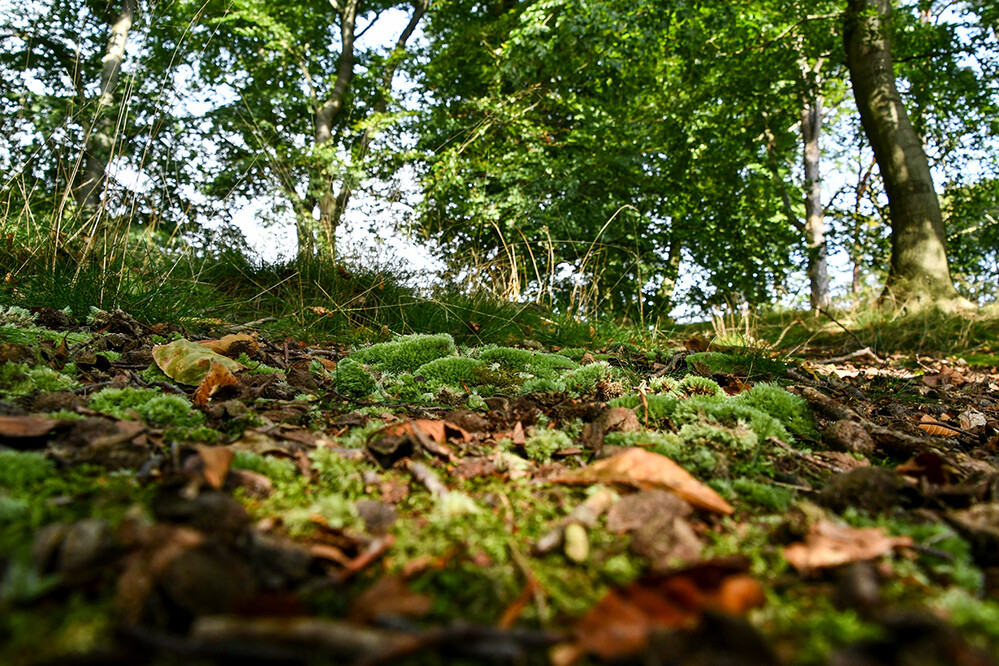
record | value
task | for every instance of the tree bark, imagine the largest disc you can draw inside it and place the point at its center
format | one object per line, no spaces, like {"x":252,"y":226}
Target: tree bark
{"x":918,"y":273}
{"x":815,"y":228}
{"x":100,"y":142}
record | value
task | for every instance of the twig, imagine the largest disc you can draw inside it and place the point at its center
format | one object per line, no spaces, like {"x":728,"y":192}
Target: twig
{"x":848,"y":331}
{"x":811,"y":460}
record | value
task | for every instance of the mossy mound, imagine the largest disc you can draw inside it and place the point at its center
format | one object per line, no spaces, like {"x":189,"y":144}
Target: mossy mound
{"x":155,"y":408}
{"x":407,"y":353}
{"x":353,"y":379}
{"x":19,"y":379}
{"x":754,"y":366}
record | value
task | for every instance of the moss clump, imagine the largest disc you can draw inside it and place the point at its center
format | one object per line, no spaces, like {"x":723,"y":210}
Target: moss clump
{"x":196,"y":434}
{"x":660,"y":407}
{"x":542,"y":444}
{"x":735,"y":364}
{"x":407,"y":353}
{"x":155,"y":408}
{"x":353,"y":380}
{"x":736,"y":439}
{"x":255,"y":367}
{"x":453,"y":370}
{"x":791,"y":410}
{"x":585,"y":378}
{"x":692,"y":385}
{"x":20,"y":470}
{"x":18,"y":379}
{"x":280,"y":470}
{"x":730,"y":413}
{"x":536,"y":364}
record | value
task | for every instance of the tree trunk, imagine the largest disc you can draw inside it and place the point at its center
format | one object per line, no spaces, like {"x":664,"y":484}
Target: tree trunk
{"x":918,"y":273}
{"x":815,"y":227}
{"x":100,"y":142}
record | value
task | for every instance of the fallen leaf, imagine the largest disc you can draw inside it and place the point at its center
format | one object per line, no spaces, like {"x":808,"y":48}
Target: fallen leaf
{"x":216,"y":460}
{"x":828,"y":545}
{"x":242,"y":341}
{"x":647,"y":470}
{"x":517,"y":436}
{"x":389,"y":597}
{"x":17,"y":427}
{"x":217,"y":377}
{"x":188,"y":362}
{"x":938,"y":430}
{"x":621,"y":623}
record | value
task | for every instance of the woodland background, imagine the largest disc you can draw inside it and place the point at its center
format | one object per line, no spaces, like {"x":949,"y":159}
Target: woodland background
{"x":578,"y":155}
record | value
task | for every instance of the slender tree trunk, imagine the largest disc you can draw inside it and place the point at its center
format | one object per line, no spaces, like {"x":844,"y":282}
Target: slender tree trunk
{"x":100,"y":142}
{"x":918,"y":272}
{"x":815,"y":227}
{"x":333,"y":204}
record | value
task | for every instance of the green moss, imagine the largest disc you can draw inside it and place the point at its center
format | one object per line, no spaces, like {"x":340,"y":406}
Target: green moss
{"x":453,"y":370}
{"x":153,"y":374}
{"x":353,"y":380}
{"x":19,"y":379}
{"x":543,"y":443}
{"x":729,"y":413}
{"x":660,"y":407}
{"x":790,"y":410}
{"x":763,"y":494}
{"x":338,"y":474}
{"x":193,"y":434}
{"x":542,"y":385}
{"x":735,"y":364}
{"x":539,"y":365}
{"x":692,"y":385}
{"x":584,"y":379}
{"x":280,"y":470}
{"x":157,"y":409}
{"x":407,"y":353}
{"x":662,"y":385}
{"x":256,"y":367}
{"x":21,"y":470}
{"x":737,"y":439}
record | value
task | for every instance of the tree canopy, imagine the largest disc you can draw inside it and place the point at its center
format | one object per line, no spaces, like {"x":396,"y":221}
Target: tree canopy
{"x":618,"y":156}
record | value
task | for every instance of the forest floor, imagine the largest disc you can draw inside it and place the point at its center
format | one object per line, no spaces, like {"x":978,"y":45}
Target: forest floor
{"x":233,"y":498}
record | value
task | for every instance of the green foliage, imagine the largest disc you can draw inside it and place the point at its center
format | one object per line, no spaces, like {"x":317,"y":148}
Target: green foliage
{"x":753,"y":366}
{"x":407,"y":353}
{"x":256,"y":367}
{"x":353,"y":379}
{"x":585,"y":378}
{"x":22,"y":470}
{"x":454,"y":370}
{"x":543,"y":443}
{"x":18,"y":379}
{"x":156,"y":408}
{"x":791,"y":410}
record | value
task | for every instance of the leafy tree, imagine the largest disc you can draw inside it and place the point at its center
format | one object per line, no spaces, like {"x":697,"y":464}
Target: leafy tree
{"x":301,"y":100}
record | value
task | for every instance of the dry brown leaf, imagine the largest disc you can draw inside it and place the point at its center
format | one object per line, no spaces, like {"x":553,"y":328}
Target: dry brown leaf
{"x":216,"y":460}
{"x":937,"y":430}
{"x":388,"y":597}
{"x":517,"y":437}
{"x":26,"y":426}
{"x":621,"y":623}
{"x":828,"y":545}
{"x":222,"y":345}
{"x":217,"y":377}
{"x":647,"y":470}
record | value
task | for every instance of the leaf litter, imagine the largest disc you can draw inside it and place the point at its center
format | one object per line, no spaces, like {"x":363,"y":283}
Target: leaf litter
{"x":509,"y":505}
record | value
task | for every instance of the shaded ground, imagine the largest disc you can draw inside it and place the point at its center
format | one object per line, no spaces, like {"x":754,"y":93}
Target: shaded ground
{"x":248,"y":499}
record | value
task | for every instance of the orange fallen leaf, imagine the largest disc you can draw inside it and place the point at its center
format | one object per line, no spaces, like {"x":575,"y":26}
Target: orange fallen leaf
{"x":621,"y":623}
{"x":828,"y":545}
{"x":217,"y":377}
{"x":647,"y":470}
{"x":216,"y":460}
{"x":26,"y":426}
{"x":222,"y":345}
